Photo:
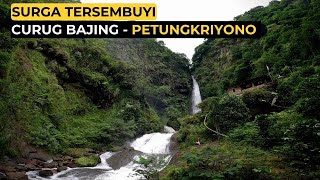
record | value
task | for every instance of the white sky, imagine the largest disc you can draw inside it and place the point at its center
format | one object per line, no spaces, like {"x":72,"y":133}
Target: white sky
{"x":193,"y":10}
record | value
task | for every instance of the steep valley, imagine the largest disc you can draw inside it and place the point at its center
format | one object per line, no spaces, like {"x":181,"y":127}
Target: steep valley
{"x":87,"y":108}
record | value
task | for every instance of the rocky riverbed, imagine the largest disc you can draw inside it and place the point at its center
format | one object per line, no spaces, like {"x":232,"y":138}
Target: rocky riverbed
{"x":37,"y":160}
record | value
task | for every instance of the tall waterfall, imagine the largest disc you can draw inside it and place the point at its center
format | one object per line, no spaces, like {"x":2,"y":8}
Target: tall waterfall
{"x":196,"y":97}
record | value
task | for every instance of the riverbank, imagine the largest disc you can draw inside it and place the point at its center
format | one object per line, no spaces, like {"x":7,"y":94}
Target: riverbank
{"x":35,"y":159}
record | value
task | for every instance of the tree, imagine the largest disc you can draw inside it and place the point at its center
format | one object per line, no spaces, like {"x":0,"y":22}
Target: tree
{"x":151,"y":165}
{"x":227,"y":112}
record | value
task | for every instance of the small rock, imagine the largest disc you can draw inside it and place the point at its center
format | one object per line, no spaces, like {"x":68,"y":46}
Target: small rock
{"x":22,"y":161}
{"x":61,"y":163}
{"x":30,"y":167}
{"x":45,"y":173}
{"x":21,"y":167}
{"x":17,"y":175}
{"x":71,"y":165}
{"x":67,"y":158}
{"x":57,"y":159}
{"x":62,"y":168}
{"x":3,"y":176}
{"x":53,"y":164}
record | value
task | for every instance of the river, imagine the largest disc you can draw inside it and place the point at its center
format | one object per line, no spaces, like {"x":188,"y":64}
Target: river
{"x":121,"y":165}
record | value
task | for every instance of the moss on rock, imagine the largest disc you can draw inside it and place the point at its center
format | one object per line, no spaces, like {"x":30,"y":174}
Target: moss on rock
{"x":88,"y":161}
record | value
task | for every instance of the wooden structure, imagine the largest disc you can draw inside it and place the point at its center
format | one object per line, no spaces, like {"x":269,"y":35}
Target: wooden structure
{"x":251,"y":84}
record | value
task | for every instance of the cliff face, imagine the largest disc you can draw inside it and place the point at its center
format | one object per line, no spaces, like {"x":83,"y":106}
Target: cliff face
{"x":162,"y":77}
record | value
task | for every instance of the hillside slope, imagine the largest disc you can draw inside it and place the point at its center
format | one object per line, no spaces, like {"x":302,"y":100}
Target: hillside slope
{"x":272,"y":132}
{"x":76,"y":93}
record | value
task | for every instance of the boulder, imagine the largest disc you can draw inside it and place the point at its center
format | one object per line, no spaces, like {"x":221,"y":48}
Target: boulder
{"x":45,"y":173}
{"x":71,"y":165}
{"x":52,"y":164}
{"x":30,"y":167}
{"x":123,"y":158}
{"x":62,"y":168}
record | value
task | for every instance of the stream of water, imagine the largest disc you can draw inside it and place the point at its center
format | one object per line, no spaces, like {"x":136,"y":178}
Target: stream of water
{"x":120,"y":165}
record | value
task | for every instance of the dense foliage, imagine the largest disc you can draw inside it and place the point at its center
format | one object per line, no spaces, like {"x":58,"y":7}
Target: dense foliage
{"x":74,"y":93}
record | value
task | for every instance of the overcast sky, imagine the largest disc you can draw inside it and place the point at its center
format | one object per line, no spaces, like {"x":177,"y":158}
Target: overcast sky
{"x":194,"y":10}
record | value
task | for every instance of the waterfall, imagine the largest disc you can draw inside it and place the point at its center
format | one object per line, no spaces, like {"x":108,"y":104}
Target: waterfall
{"x":196,"y":97}
{"x":155,"y":143}
{"x":122,"y":164}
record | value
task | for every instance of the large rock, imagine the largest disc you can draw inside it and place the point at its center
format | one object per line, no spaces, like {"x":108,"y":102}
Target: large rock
{"x":122,"y":158}
{"x":71,"y":164}
{"x":62,"y":168}
{"x":173,"y":146}
{"x":31,"y":167}
{"x":45,"y":173}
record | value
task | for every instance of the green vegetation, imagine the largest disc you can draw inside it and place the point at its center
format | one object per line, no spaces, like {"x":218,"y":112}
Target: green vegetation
{"x":69,"y":95}
{"x":271,"y":133}
{"x":88,"y":161}
{"x":58,"y":94}
{"x":150,"y":165}
{"x":227,"y":160}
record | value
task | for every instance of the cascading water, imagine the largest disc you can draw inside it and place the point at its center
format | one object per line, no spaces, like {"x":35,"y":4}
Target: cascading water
{"x":168,"y":129}
{"x":123,"y":164}
{"x":196,"y":97}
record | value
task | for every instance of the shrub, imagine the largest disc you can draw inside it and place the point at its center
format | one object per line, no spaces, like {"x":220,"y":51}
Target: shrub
{"x":308,"y":95}
{"x":294,"y":136}
{"x":227,"y":112}
{"x":246,"y":134}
